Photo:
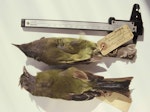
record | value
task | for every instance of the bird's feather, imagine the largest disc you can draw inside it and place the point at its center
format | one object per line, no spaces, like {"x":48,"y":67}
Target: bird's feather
{"x":72,"y":84}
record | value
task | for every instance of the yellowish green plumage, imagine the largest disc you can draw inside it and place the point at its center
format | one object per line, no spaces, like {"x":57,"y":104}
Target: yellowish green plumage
{"x":62,"y":51}
{"x":61,"y":83}
{"x":54,"y":51}
{"x":72,"y":84}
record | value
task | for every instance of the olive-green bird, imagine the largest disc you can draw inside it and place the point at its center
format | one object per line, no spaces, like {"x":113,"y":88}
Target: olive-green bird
{"x":72,"y":84}
{"x":60,"y":51}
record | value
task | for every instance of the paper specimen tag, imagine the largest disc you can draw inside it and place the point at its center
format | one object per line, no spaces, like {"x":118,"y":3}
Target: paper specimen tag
{"x":115,"y":39}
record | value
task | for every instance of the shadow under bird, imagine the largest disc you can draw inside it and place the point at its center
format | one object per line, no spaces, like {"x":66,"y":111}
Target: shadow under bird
{"x":72,"y":84}
{"x":60,"y":51}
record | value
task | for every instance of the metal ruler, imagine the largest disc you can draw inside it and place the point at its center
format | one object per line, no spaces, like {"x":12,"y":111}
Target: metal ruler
{"x":82,"y":25}
{"x":135,"y":24}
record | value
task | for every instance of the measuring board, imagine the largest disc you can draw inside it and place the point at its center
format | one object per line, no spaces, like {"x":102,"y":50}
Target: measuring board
{"x":135,"y":24}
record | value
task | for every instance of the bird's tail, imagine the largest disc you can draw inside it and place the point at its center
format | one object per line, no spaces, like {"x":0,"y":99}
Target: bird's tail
{"x":27,"y":81}
{"x":119,"y":85}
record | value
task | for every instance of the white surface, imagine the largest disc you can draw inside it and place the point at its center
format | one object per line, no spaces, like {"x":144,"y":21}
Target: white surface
{"x":12,"y":60}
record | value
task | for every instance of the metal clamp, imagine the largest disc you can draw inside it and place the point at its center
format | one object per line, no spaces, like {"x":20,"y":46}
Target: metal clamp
{"x":135,"y":19}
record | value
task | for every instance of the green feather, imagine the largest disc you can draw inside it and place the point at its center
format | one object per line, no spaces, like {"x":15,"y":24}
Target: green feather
{"x":54,"y":51}
{"x":72,"y":84}
{"x":61,"y":83}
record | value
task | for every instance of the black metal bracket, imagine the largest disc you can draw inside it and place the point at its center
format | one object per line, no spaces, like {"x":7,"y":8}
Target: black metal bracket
{"x":136,"y":19}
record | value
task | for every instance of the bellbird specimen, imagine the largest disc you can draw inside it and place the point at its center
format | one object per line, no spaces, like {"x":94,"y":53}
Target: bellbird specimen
{"x":60,"y":51}
{"x":72,"y":84}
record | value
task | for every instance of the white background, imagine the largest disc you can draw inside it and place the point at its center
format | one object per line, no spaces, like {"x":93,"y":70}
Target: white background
{"x":12,"y":60}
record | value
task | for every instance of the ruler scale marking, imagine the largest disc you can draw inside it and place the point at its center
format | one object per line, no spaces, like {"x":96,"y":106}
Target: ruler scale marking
{"x":39,"y":23}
